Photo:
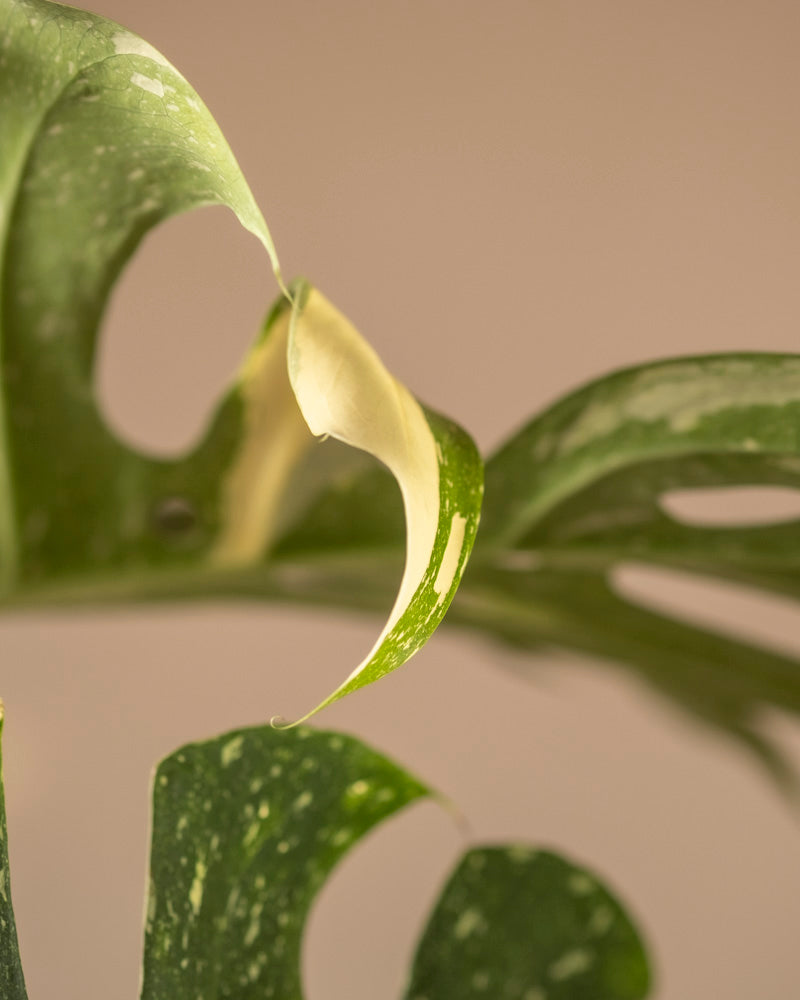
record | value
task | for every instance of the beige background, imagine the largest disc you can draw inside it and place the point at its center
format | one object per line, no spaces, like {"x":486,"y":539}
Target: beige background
{"x":507,"y":198}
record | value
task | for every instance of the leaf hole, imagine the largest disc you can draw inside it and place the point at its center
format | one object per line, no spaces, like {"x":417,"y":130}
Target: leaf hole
{"x":729,"y":506}
{"x":183,"y":314}
{"x":740,"y":611}
{"x":363,"y":929}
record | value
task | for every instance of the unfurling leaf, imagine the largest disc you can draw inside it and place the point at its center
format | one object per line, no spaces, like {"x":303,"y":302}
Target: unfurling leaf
{"x":344,"y":391}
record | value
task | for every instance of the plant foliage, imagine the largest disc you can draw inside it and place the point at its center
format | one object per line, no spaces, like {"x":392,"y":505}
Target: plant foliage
{"x":248,"y":826}
{"x":100,"y":140}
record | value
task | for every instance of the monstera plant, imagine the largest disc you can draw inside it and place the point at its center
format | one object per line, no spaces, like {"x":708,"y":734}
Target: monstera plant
{"x":100,"y":140}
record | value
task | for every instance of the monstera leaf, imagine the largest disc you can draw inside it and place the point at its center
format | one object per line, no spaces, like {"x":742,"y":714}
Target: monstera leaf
{"x":101,"y":139}
{"x":578,"y":491}
{"x":228,"y":900}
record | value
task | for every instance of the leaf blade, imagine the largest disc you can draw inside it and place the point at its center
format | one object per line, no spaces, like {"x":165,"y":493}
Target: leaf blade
{"x":515,"y":922}
{"x":229,"y":919}
{"x":343,"y":390}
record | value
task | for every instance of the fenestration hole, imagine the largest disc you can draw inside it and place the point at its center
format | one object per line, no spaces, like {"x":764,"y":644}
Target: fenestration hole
{"x":729,"y":506}
{"x":720,"y":605}
{"x":181,"y":318}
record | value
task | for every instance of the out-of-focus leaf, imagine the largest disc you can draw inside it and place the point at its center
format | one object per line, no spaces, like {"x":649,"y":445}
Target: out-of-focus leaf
{"x":100,"y":139}
{"x":514,"y":923}
{"x":577,"y":492}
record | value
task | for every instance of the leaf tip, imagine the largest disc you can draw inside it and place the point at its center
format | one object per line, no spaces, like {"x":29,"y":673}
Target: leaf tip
{"x":280,"y":723}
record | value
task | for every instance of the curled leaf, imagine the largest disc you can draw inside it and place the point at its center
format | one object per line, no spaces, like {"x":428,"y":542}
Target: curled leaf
{"x":344,"y":390}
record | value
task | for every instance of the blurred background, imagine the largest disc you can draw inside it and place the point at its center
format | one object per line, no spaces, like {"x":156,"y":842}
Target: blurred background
{"x":507,"y":199}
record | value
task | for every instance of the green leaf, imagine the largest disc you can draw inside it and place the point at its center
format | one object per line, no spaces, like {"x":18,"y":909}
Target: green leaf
{"x":577,"y":492}
{"x":102,"y":139}
{"x":12,"y":983}
{"x":524,"y":924}
{"x":714,"y":679}
{"x":586,"y":475}
{"x":247,"y":827}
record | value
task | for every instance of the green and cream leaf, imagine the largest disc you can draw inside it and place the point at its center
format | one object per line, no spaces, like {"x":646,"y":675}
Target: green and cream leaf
{"x":344,"y":391}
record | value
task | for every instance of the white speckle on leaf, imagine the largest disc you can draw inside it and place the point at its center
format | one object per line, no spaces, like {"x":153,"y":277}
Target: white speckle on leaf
{"x":571,"y":963}
{"x":480,"y":980}
{"x":452,"y":556}
{"x":520,"y":854}
{"x":254,"y":928}
{"x":579,"y":884}
{"x":601,"y":920}
{"x":303,"y":800}
{"x":358,"y":788}
{"x":469,"y":922}
{"x":283,"y":847}
{"x":231,"y":751}
{"x":534,"y":993}
{"x":198,"y":884}
{"x":251,"y":834}
{"x":136,"y":174}
{"x":127,"y":44}
{"x":148,"y":83}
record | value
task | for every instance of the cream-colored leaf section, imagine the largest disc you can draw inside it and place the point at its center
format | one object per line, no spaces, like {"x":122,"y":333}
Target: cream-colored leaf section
{"x":274,"y":438}
{"x":344,"y":391}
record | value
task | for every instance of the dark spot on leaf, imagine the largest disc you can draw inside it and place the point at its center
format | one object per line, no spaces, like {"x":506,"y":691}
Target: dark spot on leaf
{"x":175,"y":517}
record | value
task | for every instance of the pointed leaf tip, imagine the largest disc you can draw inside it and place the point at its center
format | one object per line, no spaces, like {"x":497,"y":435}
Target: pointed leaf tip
{"x":344,"y":391}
